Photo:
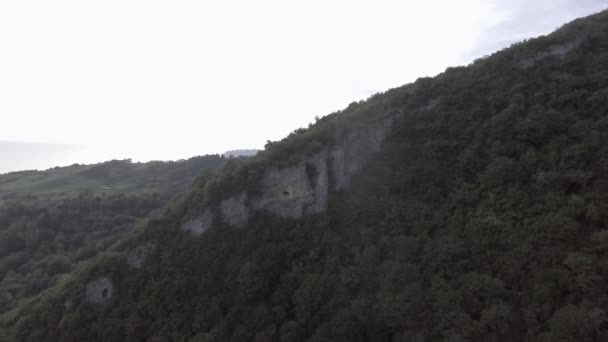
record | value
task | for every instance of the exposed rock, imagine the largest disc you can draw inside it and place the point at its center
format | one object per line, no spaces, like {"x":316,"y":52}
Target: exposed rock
{"x":301,"y":189}
{"x":67,"y":304}
{"x":316,"y":170}
{"x":284,"y":192}
{"x":293,"y":191}
{"x":358,"y":147}
{"x":98,"y":291}
{"x":336,"y":167}
{"x":552,"y":51}
{"x":200,"y":224}
{"x":138,"y":255}
{"x":235,"y":211}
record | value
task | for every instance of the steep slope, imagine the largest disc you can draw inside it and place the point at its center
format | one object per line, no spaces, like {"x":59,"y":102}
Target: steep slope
{"x":52,"y":220}
{"x":469,"y":206}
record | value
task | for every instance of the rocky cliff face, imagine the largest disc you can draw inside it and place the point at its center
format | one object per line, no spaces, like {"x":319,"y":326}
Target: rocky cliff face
{"x":98,"y":291}
{"x":359,"y":146}
{"x":301,"y":189}
{"x":235,"y":211}
{"x":199,"y":224}
{"x":138,"y":255}
{"x":294,"y":191}
{"x":290,"y":192}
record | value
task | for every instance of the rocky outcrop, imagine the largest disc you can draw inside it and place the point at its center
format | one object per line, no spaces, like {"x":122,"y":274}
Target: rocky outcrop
{"x":302,"y":189}
{"x":98,"y":291}
{"x":138,"y":255}
{"x":288,"y":192}
{"x":552,"y":51}
{"x":67,"y":304}
{"x":284,"y":192}
{"x":235,"y":210}
{"x":358,"y":147}
{"x":294,"y":191}
{"x":317,"y":170}
{"x":338,"y":177}
{"x":199,"y":224}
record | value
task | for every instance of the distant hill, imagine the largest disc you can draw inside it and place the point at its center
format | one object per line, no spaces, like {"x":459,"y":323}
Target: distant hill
{"x":471,"y":206}
{"x":53,"y":220}
{"x":241,"y":153}
{"x":112,"y":177}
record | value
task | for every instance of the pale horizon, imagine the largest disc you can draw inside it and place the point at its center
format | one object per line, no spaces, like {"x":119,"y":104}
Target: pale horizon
{"x":87,"y":82}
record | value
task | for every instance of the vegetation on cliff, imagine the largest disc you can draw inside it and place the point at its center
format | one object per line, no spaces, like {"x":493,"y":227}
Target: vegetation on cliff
{"x":482,"y":218}
{"x":50,"y":221}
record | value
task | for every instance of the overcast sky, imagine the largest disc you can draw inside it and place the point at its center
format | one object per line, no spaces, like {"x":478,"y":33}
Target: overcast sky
{"x":172,"y":79}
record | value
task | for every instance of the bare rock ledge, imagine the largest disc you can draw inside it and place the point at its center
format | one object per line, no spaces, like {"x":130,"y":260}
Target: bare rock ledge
{"x":302,"y":189}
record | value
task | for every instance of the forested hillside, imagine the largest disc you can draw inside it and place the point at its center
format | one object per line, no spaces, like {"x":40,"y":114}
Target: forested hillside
{"x":52,"y":220}
{"x":466,"y":207}
{"x":108,"y":178}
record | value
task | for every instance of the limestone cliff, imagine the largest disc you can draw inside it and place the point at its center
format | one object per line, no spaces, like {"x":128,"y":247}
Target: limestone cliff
{"x":303,"y":188}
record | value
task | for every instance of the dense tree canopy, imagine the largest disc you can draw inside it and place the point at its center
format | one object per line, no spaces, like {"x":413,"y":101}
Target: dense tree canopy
{"x":483,"y":218}
{"x":46,"y":229}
